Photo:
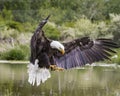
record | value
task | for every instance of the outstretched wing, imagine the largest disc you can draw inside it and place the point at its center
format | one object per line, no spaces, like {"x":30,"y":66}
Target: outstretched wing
{"x":83,"y":51}
{"x":37,"y":41}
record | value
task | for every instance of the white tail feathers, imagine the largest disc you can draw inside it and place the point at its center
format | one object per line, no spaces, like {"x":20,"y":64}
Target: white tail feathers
{"x":37,"y":74}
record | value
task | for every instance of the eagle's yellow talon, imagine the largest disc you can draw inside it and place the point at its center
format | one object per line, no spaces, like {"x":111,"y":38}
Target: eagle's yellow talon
{"x":59,"y":69}
{"x":55,"y":68}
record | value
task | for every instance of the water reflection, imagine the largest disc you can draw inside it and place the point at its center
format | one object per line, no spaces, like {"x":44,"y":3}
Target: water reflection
{"x":90,"y":81}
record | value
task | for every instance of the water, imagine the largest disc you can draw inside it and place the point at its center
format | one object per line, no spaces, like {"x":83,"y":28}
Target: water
{"x":88,"y":81}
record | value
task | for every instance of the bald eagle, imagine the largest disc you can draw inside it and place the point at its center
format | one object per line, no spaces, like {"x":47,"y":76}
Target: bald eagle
{"x":50,"y":54}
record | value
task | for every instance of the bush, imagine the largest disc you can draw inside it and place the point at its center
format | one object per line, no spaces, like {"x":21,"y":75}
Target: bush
{"x":52,"y":32}
{"x":26,"y":50}
{"x":22,"y":52}
{"x":116,"y":58}
{"x":14,"y":54}
{"x":16,"y":25}
{"x":7,"y":14}
{"x":115,"y":27}
{"x":29,"y":27}
{"x":84,"y":27}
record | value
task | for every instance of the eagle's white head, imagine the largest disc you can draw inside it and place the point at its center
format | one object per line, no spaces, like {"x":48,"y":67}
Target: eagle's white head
{"x":57,"y":45}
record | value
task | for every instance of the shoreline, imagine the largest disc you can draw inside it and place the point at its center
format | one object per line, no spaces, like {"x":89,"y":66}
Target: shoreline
{"x":27,"y":62}
{"x":14,"y":62}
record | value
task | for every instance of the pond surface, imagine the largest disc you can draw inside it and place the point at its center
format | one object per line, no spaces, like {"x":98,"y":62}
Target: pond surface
{"x":87,"y":81}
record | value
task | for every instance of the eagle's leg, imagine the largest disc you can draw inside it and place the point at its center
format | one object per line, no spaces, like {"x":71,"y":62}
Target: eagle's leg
{"x":59,"y":69}
{"x":53,"y":65}
{"x":55,"y":68}
{"x":52,"y":61}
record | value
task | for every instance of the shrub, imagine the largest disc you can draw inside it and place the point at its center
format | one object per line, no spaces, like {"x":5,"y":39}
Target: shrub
{"x":14,"y":54}
{"x":19,"y":53}
{"x":117,"y":58}
{"x":16,"y":25}
{"x":84,"y":27}
{"x":52,"y":32}
{"x":26,"y":50}
{"x":115,"y":27}
{"x":29,"y":27}
{"x":7,"y":14}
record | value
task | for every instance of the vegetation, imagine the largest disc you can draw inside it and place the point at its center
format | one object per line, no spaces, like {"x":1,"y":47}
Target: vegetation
{"x":116,"y":58}
{"x":21,"y":53}
{"x":69,"y":20}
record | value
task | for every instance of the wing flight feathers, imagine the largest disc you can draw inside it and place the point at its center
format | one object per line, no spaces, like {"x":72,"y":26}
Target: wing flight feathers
{"x":82,"y":51}
{"x":37,"y":40}
{"x":42,"y":23}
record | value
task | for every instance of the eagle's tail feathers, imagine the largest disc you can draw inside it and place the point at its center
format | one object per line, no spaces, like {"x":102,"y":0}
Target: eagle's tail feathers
{"x":36,"y":74}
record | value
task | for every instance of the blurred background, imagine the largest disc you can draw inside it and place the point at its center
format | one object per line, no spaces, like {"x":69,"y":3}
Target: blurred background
{"x":69,"y":20}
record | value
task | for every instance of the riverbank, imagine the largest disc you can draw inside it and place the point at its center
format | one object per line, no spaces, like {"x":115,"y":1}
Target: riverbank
{"x":92,"y":65}
{"x":13,"y":62}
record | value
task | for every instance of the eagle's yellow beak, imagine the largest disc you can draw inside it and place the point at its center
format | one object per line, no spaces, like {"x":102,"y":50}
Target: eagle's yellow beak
{"x":62,"y":51}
